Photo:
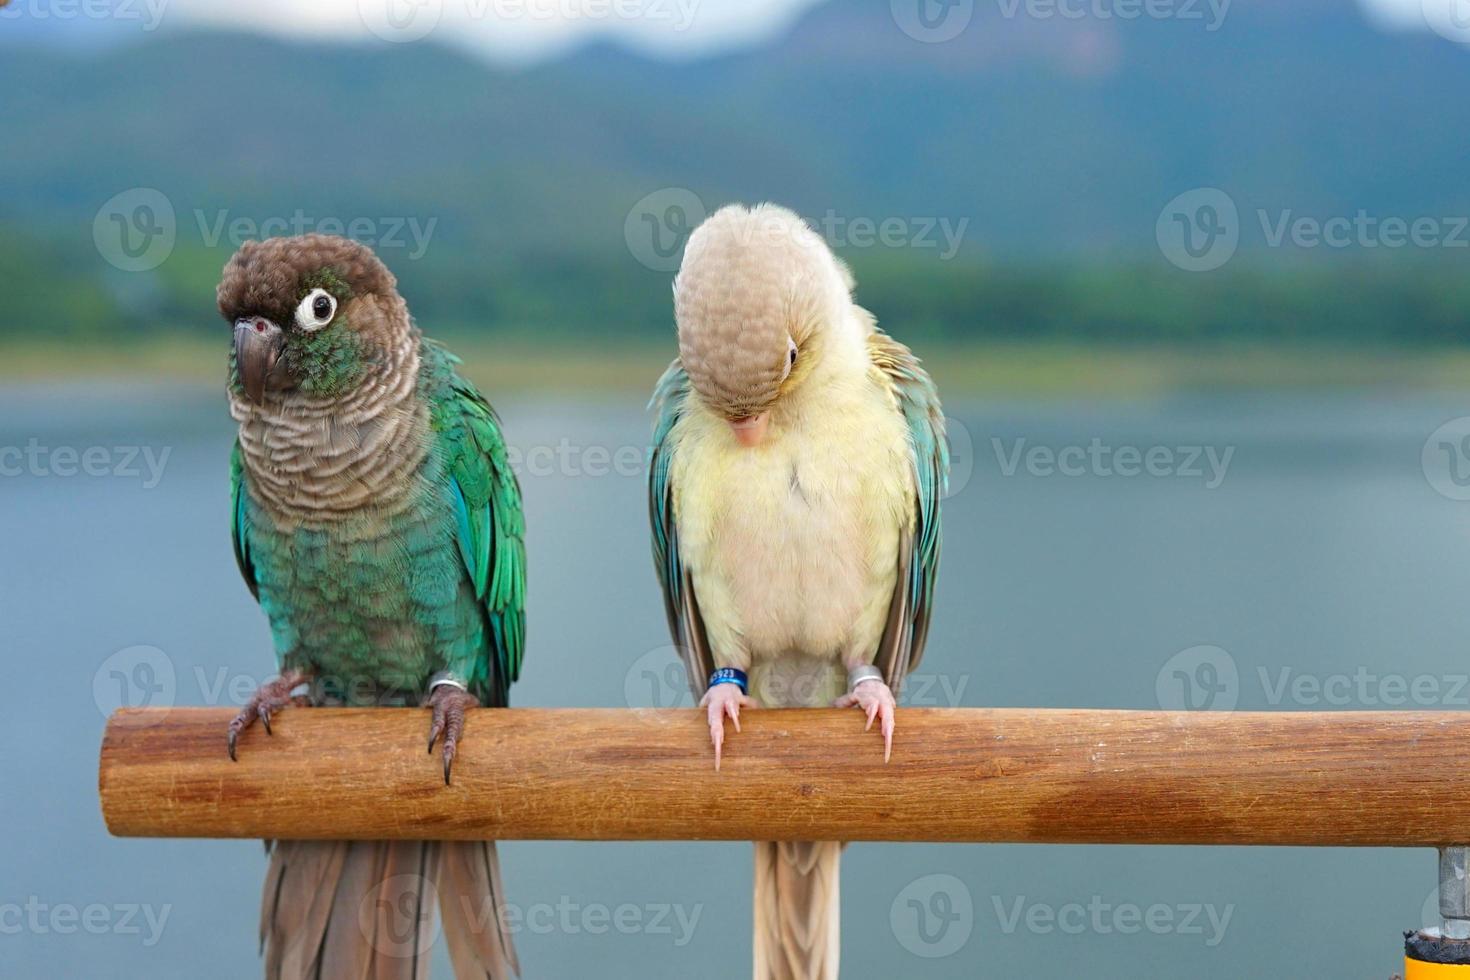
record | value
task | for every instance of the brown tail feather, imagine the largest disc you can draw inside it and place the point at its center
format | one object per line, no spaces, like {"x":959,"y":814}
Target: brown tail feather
{"x":471,"y":900}
{"x":797,"y":910}
{"x":364,"y":910}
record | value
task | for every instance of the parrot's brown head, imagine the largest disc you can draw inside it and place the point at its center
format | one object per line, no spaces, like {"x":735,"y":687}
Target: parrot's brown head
{"x":309,"y":313}
{"x":754,"y":299}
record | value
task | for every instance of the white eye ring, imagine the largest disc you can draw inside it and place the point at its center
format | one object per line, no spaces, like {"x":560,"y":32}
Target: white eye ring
{"x":308,"y":314}
{"x":790,"y":359}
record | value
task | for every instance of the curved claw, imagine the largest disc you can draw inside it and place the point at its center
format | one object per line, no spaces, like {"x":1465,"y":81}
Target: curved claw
{"x":449,"y":704}
{"x":877,"y":701}
{"x":720,"y":702}
{"x":270,"y":698}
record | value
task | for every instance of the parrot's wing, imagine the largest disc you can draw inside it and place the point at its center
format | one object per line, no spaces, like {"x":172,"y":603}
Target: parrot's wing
{"x":240,"y":522}
{"x":685,"y":624}
{"x":491,"y":526}
{"x":918,"y":559}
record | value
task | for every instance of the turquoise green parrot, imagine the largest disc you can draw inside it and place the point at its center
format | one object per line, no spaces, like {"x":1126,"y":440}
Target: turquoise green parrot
{"x":377,"y":521}
{"x":799,"y":462}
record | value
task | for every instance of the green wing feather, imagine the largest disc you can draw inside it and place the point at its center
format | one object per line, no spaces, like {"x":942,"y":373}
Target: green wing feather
{"x":240,"y":522}
{"x":490,"y":528}
{"x":685,"y":624}
{"x":913,"y":601}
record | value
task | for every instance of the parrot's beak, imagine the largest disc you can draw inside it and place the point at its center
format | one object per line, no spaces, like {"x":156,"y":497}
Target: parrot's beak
{"x":258,"y":344}
{"x":751,"y":430}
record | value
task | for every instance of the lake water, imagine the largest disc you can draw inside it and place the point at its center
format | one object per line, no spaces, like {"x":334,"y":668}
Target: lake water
{"x":1320,"y":564}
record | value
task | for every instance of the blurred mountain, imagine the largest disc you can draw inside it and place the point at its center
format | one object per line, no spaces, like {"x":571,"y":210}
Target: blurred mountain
{"x":1050,"y":135}
{"x":1054,"y":140}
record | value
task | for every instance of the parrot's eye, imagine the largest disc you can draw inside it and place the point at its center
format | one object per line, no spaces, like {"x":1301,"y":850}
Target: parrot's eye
{"x":316,"y":310}
{"x":790,"y":358}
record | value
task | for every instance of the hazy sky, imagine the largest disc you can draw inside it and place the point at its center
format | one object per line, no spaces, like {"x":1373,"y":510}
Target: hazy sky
{"x":516,"y":29}
{"x":525,"y":30}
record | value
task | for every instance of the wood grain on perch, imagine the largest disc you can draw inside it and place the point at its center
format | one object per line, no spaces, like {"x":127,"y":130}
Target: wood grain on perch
{"x":1004,"y":775}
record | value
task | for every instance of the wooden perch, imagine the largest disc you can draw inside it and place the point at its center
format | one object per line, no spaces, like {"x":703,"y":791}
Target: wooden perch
{"x":1042,"y":776}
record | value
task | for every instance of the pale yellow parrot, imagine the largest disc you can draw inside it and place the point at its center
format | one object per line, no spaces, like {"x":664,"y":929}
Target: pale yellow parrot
{"x":799,"y":461}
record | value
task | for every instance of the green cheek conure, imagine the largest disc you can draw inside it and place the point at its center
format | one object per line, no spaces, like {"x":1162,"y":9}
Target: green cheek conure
{"x":376,"y":519}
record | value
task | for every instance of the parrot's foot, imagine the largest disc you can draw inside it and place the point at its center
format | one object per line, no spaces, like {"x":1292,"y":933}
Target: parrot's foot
{"x":449,"y":704}
{"x":268,"y":699}
{"x":875,"y":698}
{"x":719,"y":701}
